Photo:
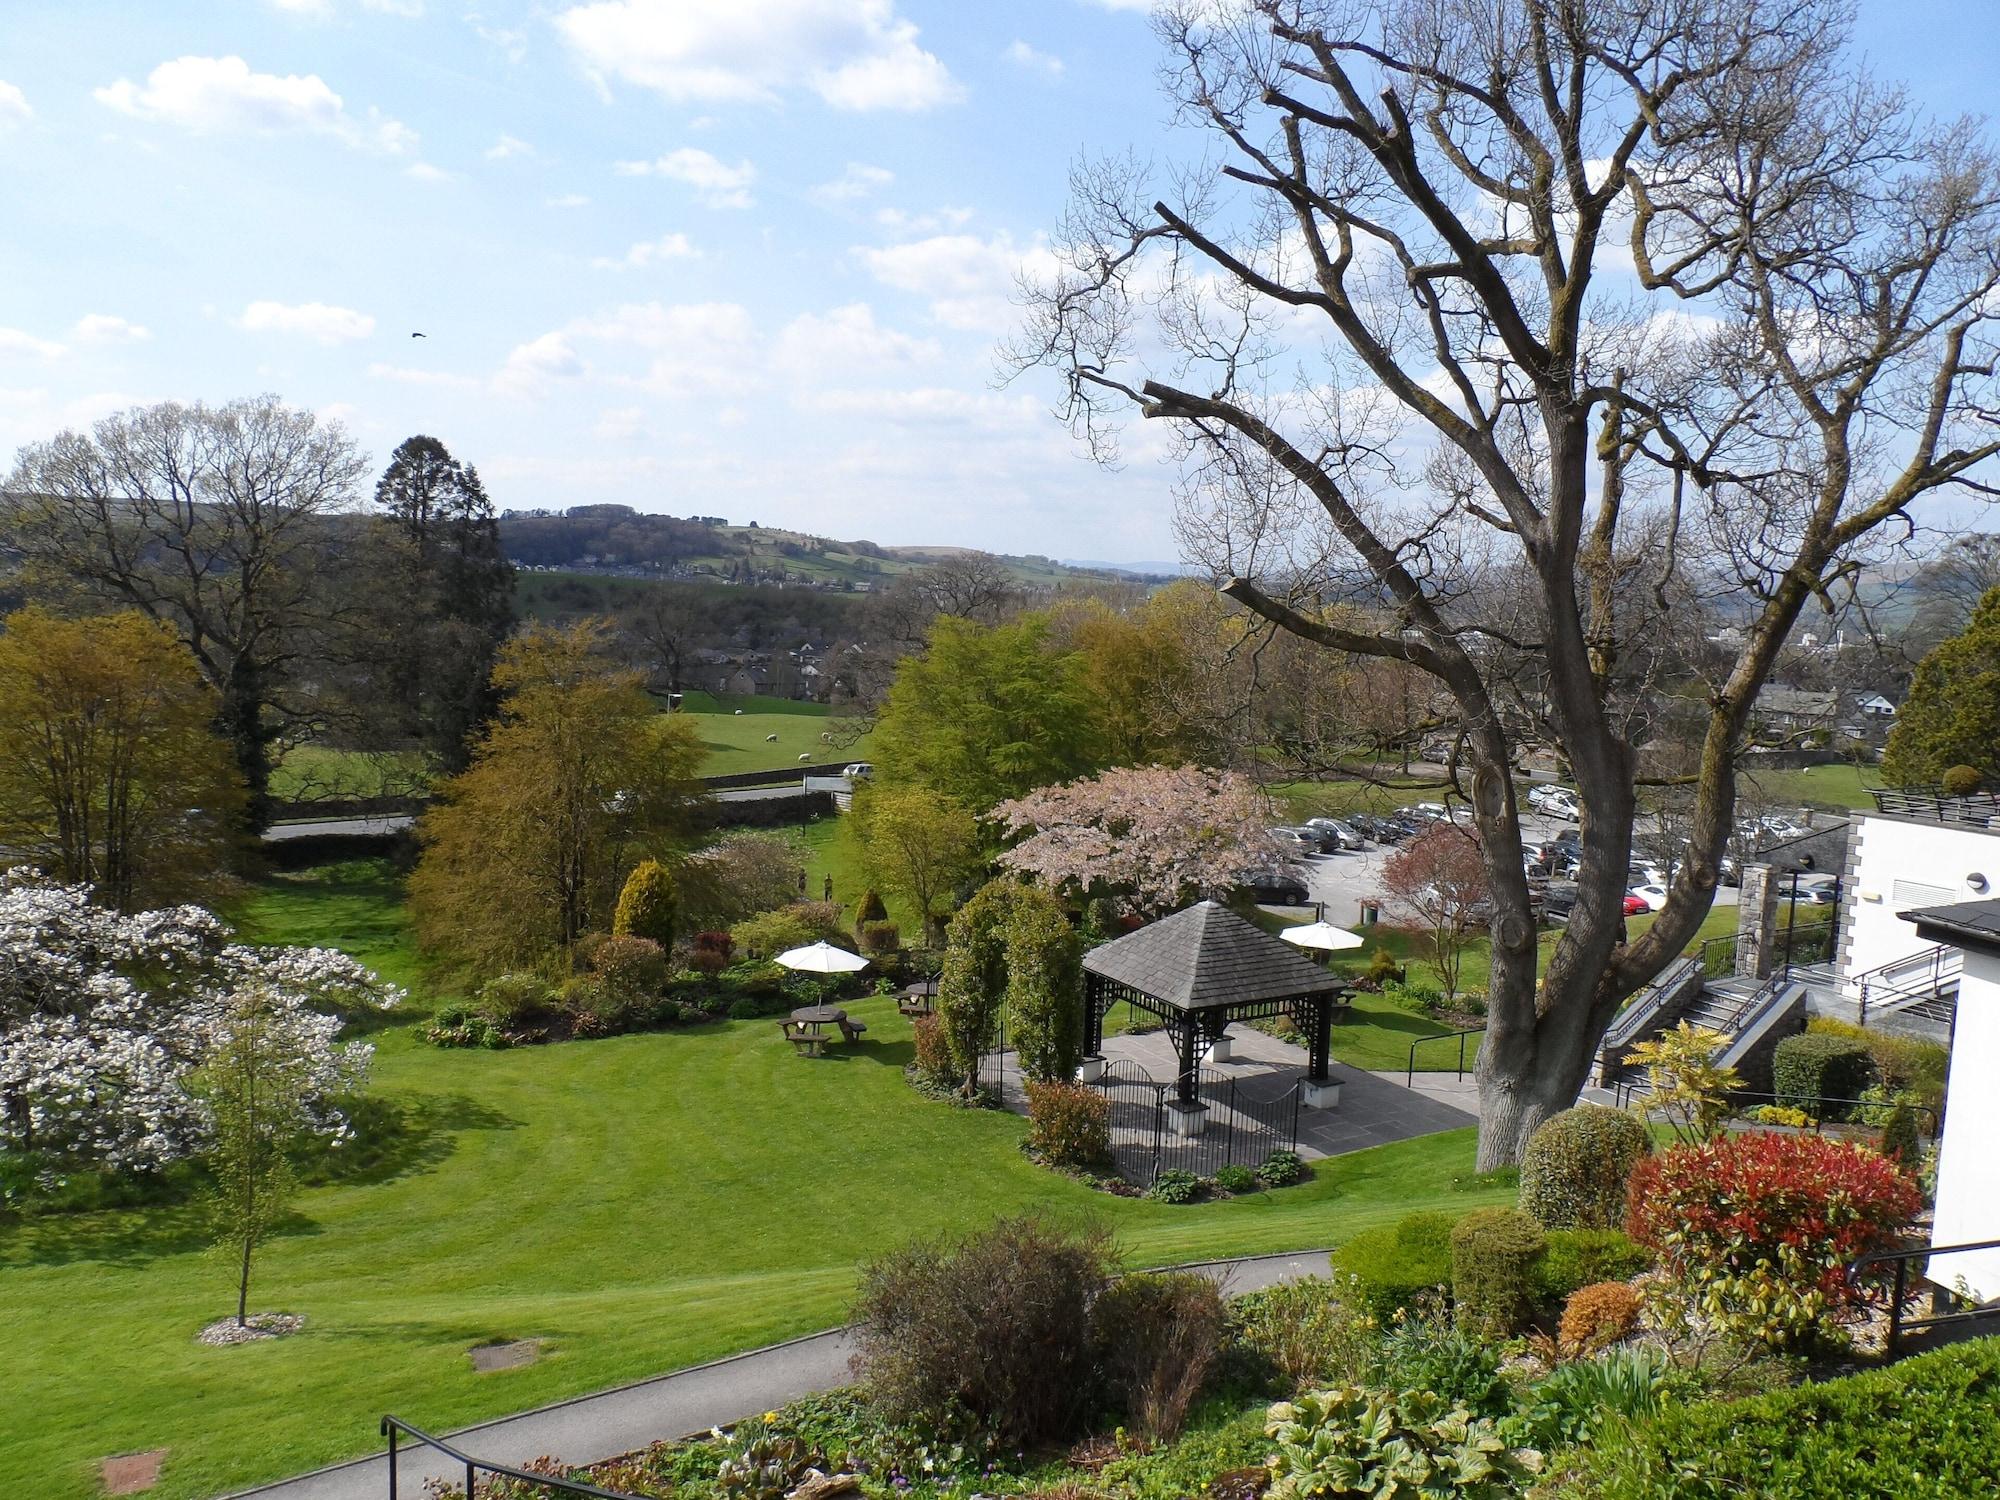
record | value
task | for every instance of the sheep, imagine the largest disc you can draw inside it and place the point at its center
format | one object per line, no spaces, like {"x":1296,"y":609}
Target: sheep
{"x":806,"y":756}
{"x":770,"y":739}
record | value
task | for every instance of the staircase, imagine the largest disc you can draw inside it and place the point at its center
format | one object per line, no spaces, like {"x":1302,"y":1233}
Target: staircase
{"x":1750,"y":1015}
{"x":1921,"y":986}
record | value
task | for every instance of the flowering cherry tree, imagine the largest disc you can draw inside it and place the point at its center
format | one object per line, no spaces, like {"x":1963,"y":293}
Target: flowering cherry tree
{"x":1153,"y":837}
{"x":105,"y":1018}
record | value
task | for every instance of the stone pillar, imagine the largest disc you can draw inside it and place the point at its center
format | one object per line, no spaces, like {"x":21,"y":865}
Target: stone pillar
{"x":1757,"y":923}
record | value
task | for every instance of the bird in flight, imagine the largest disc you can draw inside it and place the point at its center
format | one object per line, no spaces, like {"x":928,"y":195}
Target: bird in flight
{"x":419,"y":335}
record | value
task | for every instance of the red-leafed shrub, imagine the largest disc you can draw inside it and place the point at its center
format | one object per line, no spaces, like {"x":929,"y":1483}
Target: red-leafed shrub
{"x":933,"y":1052}
{"x":1762,"y":1226}
{"x":711,"y":952}
{"x":1069,"y":1124}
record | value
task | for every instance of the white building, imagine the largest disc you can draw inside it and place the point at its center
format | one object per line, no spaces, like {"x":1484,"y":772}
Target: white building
{"x":1968,"y":1185}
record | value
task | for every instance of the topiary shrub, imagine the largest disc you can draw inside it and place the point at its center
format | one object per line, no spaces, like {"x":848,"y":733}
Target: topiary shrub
{"x":1576,"y":1164}
{"x":1159,"y":1336}
{"x":1597,"y":1316}
{"x":973,"y":979}
{"x":1901,"y":1141}
{"x":1493,"y":1255}
{"x":1383,"y":970}
{"x":1761,"y":1226}
{"x":1577,"y":1257}
{"x":870,"y":909}
{"x":1393,"y":1266}
{"x":1960,"y":781}
{"x":880,"y":937}
{"x":1816,"y":1066}
{"x":648,"y":904}
{"x":991,"y":1331}
{"x":1069,"y":1124}
{"x":1044,"y":992}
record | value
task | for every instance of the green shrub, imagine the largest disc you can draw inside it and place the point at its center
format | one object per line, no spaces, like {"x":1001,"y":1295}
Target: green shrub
{"x":1576,"y":1164}
{"x":1044,"y":993}
{"x":648,"y":904}
{"x":1175,"y":1186}
{"x":1427,"y":1353}
{"x":1578,"y":1257}
{"x":1383,"y":970}
{"x":1356,"y":1441}
{"x":990,"y":1331}
{"x":1237,"y":1179}
{"x":794,"y":926}
{"x":880,"y":937}
{"x":1309,"y":1331}
{"x":973,"y":978}
{"x":1960,"y":781}
{"x":1281,"y":1169}
{"x":1816,"y":1066}
{"x":1159,"y":1337}
{"x":1901,"y":1141}
{"x":869,"y":910}
{"x":1396,"y":1264}
{"x":758,"y":1007}
{"x":1069,"y":1124}
{"x":461,"y":1026}
{"x":511,"y":1001}
{"x":933,"y":1057}
{"x":1903,"y":1064}
{"x":1573,"y":1401}
{"x":1493,"y":1255}
{"x":1927,"y":1429}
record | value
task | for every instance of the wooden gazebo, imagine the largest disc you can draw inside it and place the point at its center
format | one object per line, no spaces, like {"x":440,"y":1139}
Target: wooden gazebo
{"x":1197,"y":971}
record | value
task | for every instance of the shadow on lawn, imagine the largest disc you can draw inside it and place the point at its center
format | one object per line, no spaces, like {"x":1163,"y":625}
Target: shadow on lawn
{"x":396,"y":1136}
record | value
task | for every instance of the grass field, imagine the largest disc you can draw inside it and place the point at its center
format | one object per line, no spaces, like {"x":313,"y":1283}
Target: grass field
{"x":1840,"y":787}
{"x":319,"y":773}
{"x":742,"y":741}
{"x":640,"y":1203}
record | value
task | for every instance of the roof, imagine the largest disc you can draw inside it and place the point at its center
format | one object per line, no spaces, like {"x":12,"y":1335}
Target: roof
{"x":1205,"y":958}
{"x":1967,"y":924}
{"x":1801,"y":702}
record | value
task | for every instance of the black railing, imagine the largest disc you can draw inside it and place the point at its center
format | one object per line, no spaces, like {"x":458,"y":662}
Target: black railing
{"x":1900,"y":1289}
{"x":1930,"y":802}
{"x":1917,"y":977}
{"x":474,"y":1467}
{"x":1410,"y":1076}
{"x":1718,"y":956}
{"x":1829,"y":1111}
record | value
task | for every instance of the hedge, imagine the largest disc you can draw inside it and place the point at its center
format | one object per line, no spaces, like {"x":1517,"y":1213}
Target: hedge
{"x":1815,"y":1066}
{"x":1397,"y":1263}
{"x":1494,"y":1252}
{"x":1574,"y":1169}
{"x":1925,"y":1429}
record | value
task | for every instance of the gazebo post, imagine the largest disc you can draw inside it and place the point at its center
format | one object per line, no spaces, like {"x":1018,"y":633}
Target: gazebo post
{"x":1187,"y":1114}
{"x":1096,"y":1001}
{"x":1322,"y":1090}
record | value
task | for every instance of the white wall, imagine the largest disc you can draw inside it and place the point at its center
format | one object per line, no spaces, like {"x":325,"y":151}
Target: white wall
{"x":1902,"y":864}
{"x":1968,"y":1188}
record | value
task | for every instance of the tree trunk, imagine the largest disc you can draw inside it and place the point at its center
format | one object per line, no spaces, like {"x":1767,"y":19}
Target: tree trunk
{"x":1512,"y":1105}
{"x":243,"y":1287}
{"x":241,"y":722}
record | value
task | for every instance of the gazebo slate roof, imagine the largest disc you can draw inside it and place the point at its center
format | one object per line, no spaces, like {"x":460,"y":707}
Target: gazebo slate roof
{"x":1208,"y":958}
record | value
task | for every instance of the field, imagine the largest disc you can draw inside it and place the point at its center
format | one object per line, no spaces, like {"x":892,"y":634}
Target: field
{"x":741,"y":742}
{"x":641,"y":1203}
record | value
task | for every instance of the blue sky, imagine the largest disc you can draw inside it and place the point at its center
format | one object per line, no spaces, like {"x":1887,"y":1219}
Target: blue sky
{"x":699,"y":256}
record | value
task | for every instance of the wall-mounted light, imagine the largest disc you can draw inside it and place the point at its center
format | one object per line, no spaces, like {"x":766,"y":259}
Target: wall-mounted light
{"x":1976,"y":881}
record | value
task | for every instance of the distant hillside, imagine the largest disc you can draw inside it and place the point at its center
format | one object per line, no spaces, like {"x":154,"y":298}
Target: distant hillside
{"x":620,"y":541}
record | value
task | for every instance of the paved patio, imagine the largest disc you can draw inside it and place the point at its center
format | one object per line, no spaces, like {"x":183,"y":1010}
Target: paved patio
{"x":1374,"y":1110}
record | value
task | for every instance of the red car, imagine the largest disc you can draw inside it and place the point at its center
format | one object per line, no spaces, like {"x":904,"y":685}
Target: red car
{"x":1635,"y":906}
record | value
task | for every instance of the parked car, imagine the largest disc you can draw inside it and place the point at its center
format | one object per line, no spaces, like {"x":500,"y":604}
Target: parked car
{"x":1652,"y":897}
{"x":1778,"y":826}
{"x":1296,"y":842}
{"x":1342,"y":833}
{"x":1818,"y":890}
{"x":860,"y":770}
{"x":1561,"y":804}
{"x":1635,"y":904}
{"x":1271,"y":886}
{"x":1544,"y":792}
{"x":1558,"y":899}
{"x":1728,"y":871}
{"x":1430,"y":812}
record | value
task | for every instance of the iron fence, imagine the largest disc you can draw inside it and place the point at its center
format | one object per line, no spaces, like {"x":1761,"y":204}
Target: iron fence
{"x":1244,"y":1121}
{"x":395,"y":1427}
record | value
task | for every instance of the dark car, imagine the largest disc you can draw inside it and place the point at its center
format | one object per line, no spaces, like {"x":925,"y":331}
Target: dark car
{"x":1271,"y":886}
{"x":1558,"y":900}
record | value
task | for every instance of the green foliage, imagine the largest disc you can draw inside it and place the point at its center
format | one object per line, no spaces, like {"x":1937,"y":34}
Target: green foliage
{"x":1905,"y":1064}
{"x":984,"y":713}
{"x":1573,"y":1401}
{"x":992,"y":1330}
{"x":793,"y":926}
{"x":870,"y":909}
{"x":1175,"y":1186}
{"x":1044,"y":995}
{"x":509,"y":1001}
{"x":462,"y":1026}
{"x":1281,"y":1169}
{"x":1577,"y":1257}
{"x":1383,"y":970}
{"x":879,"y":939}
{"x":1951,"y":717}
{"x":1816,"y":1066}
{"x":932,"y":1058}
{"x":1426,"y":1352}
{"x":973,"y":982}
{"x":1493,"y":1255}
{"x":1357,"y":1441}
{"x":1159,"y":1336}
{"x":647,"y":905}
{"x":1926,"y":1429}
{"x":1310,"y":1331}
{"x":1960,"y":781}
{"x":1396,"y":1264}
{"x":1069,"y":1124}
{"x":1235,"y":1178}
{"x":1688,"y":1088}
{"x":1574,"y":1170}
{"x":1901,"y":1141}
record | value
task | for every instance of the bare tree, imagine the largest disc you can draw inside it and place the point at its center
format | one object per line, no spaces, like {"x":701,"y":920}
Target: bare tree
{"x":215,"y":521}
{"x":663,"y":630}
{"x":1595,"y":300}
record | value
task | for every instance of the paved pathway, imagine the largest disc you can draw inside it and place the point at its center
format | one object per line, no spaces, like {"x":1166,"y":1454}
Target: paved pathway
{"x":591,"y":1428}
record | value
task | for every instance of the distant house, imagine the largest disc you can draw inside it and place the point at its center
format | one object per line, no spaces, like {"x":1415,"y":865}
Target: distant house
{"x":1796,"y":708}
{"x":740,"y":683}
{"x":1875,"y":706}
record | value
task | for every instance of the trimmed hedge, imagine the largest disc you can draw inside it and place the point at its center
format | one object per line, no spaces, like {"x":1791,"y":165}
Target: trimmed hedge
{"x":1493,"y":1256}
{"x":1581,"y":1257}
{"x":1816,"y":1065}
{"x":1574,"y":1169}
{"x":1925,"y":1429}
{"x":1396,"y":1264}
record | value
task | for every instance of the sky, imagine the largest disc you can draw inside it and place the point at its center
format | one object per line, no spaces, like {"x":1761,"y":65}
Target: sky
{"x":747,"y":258}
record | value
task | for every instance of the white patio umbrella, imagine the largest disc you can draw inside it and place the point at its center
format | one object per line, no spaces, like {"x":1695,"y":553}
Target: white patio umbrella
{"x":1321,"y":935}
{"x":822,"y":958}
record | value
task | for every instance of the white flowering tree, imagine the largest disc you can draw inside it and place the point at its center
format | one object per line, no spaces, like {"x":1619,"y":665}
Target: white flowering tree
{"x":106,"y":1017}
{"x":1151,"y":837}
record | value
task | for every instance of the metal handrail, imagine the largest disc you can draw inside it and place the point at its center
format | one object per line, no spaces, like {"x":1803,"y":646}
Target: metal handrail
{"x":1932,"y":967}
{"x":1410,"y":1075}
{"x":392,"y":1425}
{"x":1977,"y":808}
{"x":1902,"y":1259}
{"x":1627,"y":1024}
{"x":1817,"y":1114}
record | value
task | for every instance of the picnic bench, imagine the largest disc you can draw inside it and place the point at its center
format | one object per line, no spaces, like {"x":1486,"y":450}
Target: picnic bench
{"x":805,"y":1029}
{"x":918,"y":999}
{"x":807,"y":1041}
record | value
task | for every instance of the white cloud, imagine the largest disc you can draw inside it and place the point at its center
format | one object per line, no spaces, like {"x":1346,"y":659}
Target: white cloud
{"x":901,"y":222}
{"x":715,"y":182}
{"x":512,"y":41}
{"x":832,"y":345}
{"x":1023,"y":56}
{"x":532,"y":366}
{"x":970,"y":281}
{"x":859,"y":180}
{"x":16,"y":341}
{"x":104,"y":328}
{"x":854,"y":54}
{"x":220,"y":94}
{"x":620,"y":424}
{"x":566,"y":200}
{"x":405,"y":375}
{"x":423,"y":171}
{"x":674,"y":246}
{"x":14,"y":109}
{"x":313,"y":320}
{"x":506,"y":146}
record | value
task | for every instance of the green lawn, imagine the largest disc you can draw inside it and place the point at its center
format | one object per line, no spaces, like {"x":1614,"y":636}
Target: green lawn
{"x":741,"y":741}
{"x":319,"y":773}
{"x":641,"y":1203}
{"x":1843,"y":788}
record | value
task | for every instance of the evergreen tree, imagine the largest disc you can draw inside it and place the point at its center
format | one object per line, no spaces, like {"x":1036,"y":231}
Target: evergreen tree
{"x":1952,"y":715}
{"x":648,"y":904}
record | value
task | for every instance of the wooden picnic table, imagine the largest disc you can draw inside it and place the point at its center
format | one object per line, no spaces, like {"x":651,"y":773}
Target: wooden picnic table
{"x":806,"y":1028}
